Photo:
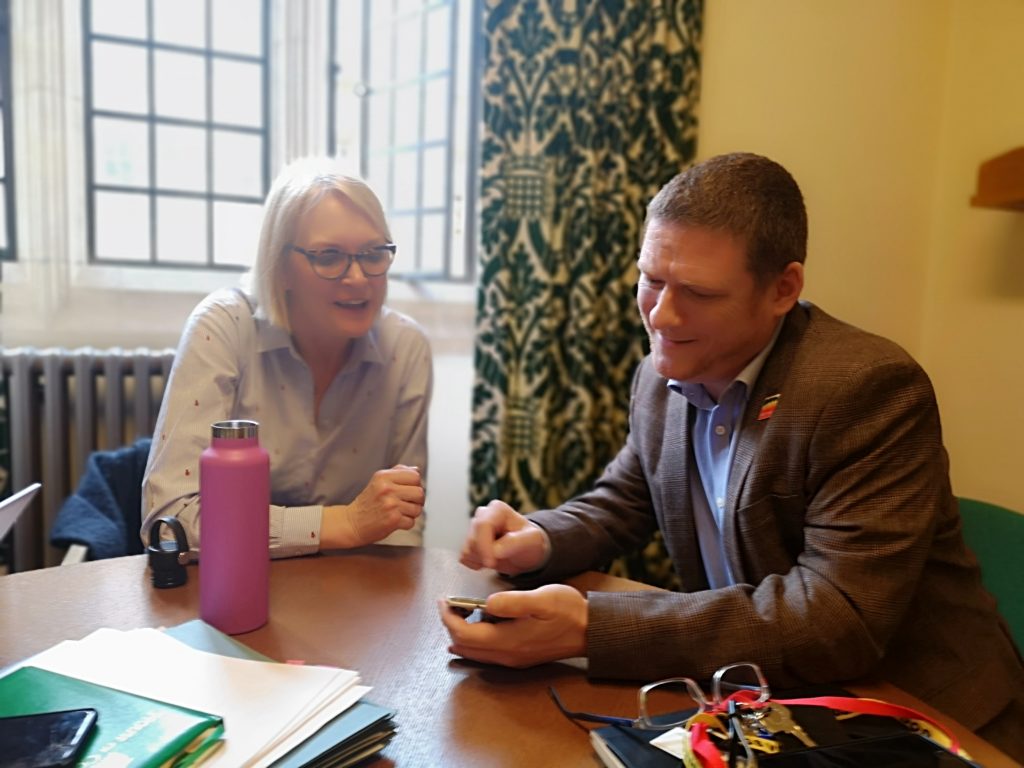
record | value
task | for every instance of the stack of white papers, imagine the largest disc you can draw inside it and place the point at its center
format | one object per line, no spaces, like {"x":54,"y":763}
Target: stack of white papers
{"x":268,"y":708}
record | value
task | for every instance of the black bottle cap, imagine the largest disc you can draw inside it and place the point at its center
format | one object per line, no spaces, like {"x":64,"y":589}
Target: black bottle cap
{"x":167,"y":559}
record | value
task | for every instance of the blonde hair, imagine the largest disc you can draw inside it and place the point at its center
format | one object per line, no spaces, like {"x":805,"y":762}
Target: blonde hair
{"x":299,"y":187}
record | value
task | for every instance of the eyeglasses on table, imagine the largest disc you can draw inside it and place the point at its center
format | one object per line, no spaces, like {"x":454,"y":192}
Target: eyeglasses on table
{"x":668,"y":703}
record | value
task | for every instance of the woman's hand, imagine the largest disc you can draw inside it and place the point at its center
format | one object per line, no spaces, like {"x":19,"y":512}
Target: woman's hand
{"x":392,"y":500}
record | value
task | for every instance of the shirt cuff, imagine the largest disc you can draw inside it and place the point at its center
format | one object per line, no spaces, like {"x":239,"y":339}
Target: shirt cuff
{"x":295,"y":531}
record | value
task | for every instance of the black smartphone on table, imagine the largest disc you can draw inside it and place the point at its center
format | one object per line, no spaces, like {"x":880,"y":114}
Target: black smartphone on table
{"x":45,"y":740}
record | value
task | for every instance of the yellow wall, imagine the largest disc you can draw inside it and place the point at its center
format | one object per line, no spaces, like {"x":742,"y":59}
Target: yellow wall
{"x":974,"y":318}
{"x":883,"y":111}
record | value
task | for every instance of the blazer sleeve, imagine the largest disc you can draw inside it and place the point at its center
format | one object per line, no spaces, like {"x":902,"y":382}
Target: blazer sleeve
{"x":617,"y":515}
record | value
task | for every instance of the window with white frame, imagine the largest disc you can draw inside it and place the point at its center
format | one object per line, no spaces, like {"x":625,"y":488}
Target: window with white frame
{"x":402,"y":95}
{"x":176,"y":128}
{"x":154,"y":127}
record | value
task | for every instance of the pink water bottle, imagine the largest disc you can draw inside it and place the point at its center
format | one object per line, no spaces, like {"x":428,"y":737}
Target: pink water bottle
{"x":234,"y":529}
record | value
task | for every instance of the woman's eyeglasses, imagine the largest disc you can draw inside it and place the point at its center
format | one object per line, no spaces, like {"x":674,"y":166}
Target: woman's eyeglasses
{"x":334,"y":264}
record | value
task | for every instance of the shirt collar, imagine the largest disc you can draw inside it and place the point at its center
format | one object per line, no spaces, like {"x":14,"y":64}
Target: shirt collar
{"x":698,"y":395}
{"x":365,"y":349}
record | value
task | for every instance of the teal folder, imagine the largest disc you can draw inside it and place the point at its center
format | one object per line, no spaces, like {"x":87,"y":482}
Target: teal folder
{"x":359,"y":732}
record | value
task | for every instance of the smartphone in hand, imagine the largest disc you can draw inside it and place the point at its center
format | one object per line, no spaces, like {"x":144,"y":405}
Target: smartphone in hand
{"x":472,"y":609}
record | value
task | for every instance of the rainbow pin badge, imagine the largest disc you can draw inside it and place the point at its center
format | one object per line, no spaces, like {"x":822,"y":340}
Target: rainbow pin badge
{"x":768,"y":407}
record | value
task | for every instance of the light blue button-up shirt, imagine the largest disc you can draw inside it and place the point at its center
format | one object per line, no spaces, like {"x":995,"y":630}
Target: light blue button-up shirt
{"x":713,"y":440}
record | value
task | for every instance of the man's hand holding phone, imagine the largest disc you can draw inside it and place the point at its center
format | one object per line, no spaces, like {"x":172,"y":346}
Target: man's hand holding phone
{"x":472,"y":608}
{"x":536,"y":626}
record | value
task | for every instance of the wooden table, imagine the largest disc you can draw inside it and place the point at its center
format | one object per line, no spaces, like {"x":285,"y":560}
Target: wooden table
{"x":373,"y":610}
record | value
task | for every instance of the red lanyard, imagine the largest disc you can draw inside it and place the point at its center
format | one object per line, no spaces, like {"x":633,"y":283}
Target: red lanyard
{"x":709,"y":756}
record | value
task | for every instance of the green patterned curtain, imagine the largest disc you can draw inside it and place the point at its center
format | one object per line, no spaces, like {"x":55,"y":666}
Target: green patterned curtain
{"x":589,"y":108}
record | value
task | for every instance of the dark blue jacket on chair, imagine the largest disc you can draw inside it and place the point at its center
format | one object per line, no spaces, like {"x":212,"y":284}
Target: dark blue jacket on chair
{"x":104,"y":512}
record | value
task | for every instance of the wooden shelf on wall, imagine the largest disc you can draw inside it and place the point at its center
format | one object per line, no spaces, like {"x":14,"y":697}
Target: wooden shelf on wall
{"x":1001,"y":182}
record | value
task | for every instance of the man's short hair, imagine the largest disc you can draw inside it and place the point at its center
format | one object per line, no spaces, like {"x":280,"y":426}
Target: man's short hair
{"x":746,"y":195}
{"x":299,"y":187}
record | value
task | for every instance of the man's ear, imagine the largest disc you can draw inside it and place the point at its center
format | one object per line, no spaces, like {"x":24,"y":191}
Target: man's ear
{"x":788,"y":287}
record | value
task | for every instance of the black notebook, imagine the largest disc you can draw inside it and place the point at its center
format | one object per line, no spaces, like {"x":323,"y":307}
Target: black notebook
{"x":861,"y":740}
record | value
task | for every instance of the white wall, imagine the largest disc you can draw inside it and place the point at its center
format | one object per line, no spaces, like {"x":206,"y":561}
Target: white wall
{"x":447,"y":507}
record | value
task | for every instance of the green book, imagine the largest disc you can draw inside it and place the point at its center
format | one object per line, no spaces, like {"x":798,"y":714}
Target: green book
{"x":131,"y":731}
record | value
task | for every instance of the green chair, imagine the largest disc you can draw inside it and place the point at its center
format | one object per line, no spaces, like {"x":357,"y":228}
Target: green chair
{"x":996,"y":536}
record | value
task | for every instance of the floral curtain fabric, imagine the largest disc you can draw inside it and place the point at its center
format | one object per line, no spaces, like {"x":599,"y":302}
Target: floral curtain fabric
{"x":588,"y":109}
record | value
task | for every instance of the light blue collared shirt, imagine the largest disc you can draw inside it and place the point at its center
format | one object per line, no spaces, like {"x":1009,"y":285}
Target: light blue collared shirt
{"x":713,"y":440}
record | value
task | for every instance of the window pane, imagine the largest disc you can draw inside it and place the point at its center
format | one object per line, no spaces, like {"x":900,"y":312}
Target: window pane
{"x":380,"y":59}
{"x":196,"y":65}
{"x":3,"y":138}
{"x":407,"y":107}
{"x":3,"y":215}
{"x":438,"y":38}
{"x":402,"y":6}
{"x":237,"y":163}
{"x":407,"y":48}
{"x":181,"y":22}
{"x":181,"y":230}
{"x":435,"y":177}
{"x":126,"y":18}
{"x":406,"y":179}
{"x":380,"y":120}
{"x":122,"y":226}
{"x":236,"y":230}
{"x":414,"y":95}
{"x":349,"y":37}
{"x":435,"y":123}
{"x":403,"y":230}
{"x":120,"y":152}
{"x":119,"y":77}
{"x":237,"y":93}
{"x":237,"y":26}
{"x":379,"y":178}
{"x":432,"y":255}
{"x":181,"y":158}
{"x":180,"y":87}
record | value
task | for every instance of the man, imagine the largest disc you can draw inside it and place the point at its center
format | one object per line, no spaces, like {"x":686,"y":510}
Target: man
{"x":795,"y":467}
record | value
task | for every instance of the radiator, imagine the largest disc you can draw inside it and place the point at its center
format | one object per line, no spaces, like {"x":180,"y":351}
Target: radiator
{"x":62,"y":405}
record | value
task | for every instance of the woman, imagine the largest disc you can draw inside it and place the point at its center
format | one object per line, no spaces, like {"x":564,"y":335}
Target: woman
{"x":339,"y":384}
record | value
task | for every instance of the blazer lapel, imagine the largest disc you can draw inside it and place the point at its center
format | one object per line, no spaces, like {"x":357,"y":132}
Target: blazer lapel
{"x":768,"y":395}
